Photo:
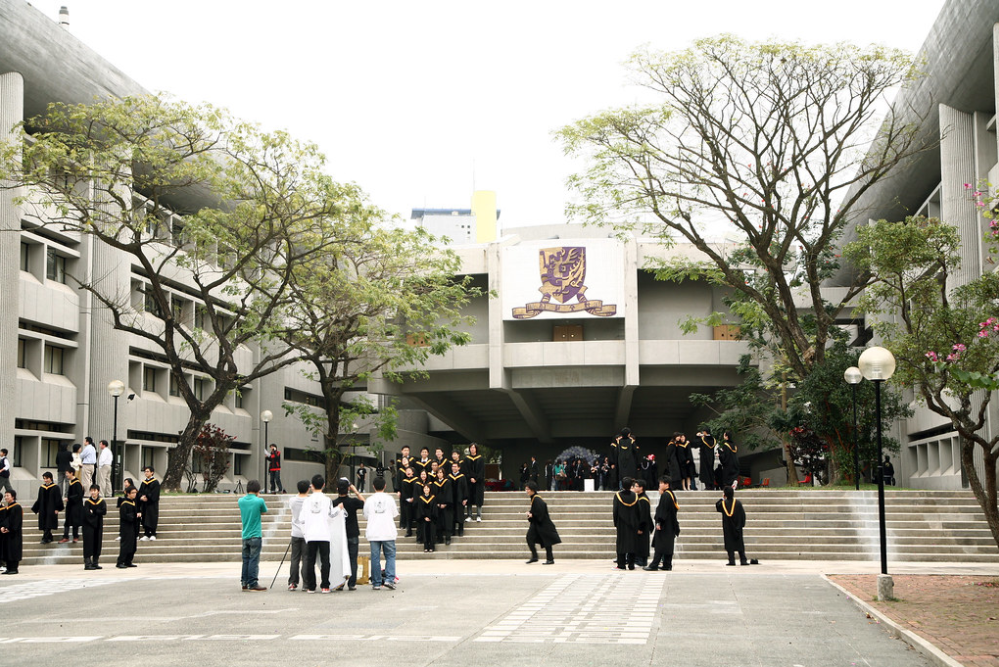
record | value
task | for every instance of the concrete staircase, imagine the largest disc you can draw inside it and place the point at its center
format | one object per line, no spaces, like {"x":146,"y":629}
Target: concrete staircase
{"x":946,"y":526}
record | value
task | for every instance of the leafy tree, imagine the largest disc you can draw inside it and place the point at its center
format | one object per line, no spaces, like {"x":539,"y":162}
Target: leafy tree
{"x":767,"y":141}
{"x":945,"y":336}
{"x":382,"y":301}
{"x":211,"y":213}
{"x":212,"y":453}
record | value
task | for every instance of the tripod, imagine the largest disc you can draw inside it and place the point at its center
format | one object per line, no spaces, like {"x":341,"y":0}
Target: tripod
{"x":239,"y":487}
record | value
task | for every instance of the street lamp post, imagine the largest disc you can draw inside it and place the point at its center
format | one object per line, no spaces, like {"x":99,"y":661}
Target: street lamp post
{"x":877,"y":365}
{"x":266,"y":416}
{"x":116,"y":388}
{"x":853,"y":376}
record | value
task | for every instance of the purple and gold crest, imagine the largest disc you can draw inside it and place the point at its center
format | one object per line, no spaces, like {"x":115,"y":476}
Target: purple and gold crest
{"x":563,"y":271}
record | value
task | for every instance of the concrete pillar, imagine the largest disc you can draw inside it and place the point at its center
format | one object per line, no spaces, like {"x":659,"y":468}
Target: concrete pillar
{"x":957,"y":168}
{"x":11,"y":113}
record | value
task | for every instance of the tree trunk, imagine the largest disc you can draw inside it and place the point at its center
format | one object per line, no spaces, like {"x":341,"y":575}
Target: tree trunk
{"x":181,"y":454}
{"x":792,"y":471}
{"x":986,"y":496}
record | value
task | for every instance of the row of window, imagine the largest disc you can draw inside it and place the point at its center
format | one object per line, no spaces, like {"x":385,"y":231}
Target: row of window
{"x":53,"y":360}
{"x":55,"y":264}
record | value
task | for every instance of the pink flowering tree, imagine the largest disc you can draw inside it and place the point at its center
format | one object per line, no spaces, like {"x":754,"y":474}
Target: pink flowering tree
{"x":945,"y":337}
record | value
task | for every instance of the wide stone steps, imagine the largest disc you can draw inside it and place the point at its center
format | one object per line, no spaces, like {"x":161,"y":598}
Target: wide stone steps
{"x":782,"y":524}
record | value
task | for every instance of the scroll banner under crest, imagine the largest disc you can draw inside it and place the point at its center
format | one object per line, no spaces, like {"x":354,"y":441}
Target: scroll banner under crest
{"x":563,"y":271}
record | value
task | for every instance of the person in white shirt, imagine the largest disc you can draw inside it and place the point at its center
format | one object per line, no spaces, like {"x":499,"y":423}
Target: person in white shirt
{"x":104,"y":461}
{"x":88,"y":462}
{"x":380,"y":512}
{"x":323,"y":526}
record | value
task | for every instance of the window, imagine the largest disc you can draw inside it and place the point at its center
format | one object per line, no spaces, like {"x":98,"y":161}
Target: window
{"x":25,"y":256}
{"x":147,"y":457}
{"x":22,"y":361}
{"x":199,"y":317}
{"x":177,"y":310}
{"x":54,"y":360}
{"x":49,"y":450}
{"x":148,"y":378}
{"x":239,"y":400}
{"x":149,"y":303}
{"x":15,"y":459}
{"x":199,"y":389}
{"x":237,"y":465}
{"x":174,"y":386}
{"x":55,"y":267}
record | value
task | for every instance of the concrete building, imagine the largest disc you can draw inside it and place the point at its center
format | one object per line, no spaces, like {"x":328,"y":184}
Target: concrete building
{"x":954,"y":106}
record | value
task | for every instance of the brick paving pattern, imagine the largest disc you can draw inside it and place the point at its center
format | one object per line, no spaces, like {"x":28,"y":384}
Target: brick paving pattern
{"x":955,"y":613}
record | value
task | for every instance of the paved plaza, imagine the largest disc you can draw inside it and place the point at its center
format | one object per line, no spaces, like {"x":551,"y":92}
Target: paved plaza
{"x":480,"y":613}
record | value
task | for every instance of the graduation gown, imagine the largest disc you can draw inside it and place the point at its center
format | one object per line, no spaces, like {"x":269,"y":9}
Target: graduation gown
{"x":48,"y":502}
{"x":627,"y":520}
{"x":426,"y":508}
{"x":733,"y":521}
{"x":671,"y":466}
{"x":12,"y":518}
{"x":650,"y":473}
{"x":667,"y":526}
{"x":150,"y":508}
{"x":74,"y":503}
{"x":729,"y":462}
{"x":93,"y":526}
{"x":406,"y":490}
{"x":707,"y":454}
{"x":541,"y":529}
{"x":645,"y":525}
{"x":685,"y":459}
{"x":445,"y":514}
{"x":128,"y":531}
{"x":475,"y":468}
{"x":627,"y":458}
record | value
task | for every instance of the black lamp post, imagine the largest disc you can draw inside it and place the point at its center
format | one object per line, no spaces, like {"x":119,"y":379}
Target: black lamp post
{"x":116,"y":388}
{"x":853,"y":376}
{"x":877,"y":365}
{"x":266,"y":416}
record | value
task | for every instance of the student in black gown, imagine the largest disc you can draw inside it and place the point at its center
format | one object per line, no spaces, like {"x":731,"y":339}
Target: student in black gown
{"x":645,"y":522}
{"x":627,"y":521}
{"x":541,"y":529}
{"x":459,"y":497}
{"x":149,"y":504}
{"x":685,"y":461}
{"x":94,"y":509}
{"x":426,"y":518}
{"x":475,"y":472}
{"x":728,"y":453}
{"x":671,"y":465}
{"x":445,"y":506}
{"x":624,"y":456}
{"x":733,"y":523}
{"x":74,"y":508}
{"x":667,"y":528}
{"x":11,"y":530}
{"x":407,"y":494}
{"x":47,"y":506}
{"x":128,"y":528}
{"x":706,"y":451}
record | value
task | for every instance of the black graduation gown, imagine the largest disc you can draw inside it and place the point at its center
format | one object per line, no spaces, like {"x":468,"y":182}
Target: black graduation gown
{"x":733,"y":521}
{"x":426,"y":508}
{"x":671,"y":466}
{"x":667,"y":526}
{"x":128,"y":531}
{"x":627,"y":458}
{"x":650,"y":473}
{"x":93,"y":527}
{"x":627,"y":520}
{"x":419,"y":466}
{"x":150,"y":508}
{"x":74,"y":503}
{"x":541,"y":529}
{"x":445,"y":497}
{"x":646,"y":525}
{"x":13,"y":543}
{"x":729,"y":463}
{"x":707,"y":454}
{"x":406,"y":490}
{"x":475,"y":468}
{"x":685,"y":459}
{"x":48,"y":502}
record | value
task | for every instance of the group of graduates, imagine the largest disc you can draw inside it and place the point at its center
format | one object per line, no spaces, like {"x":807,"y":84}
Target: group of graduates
{"x":437,"y":495}
{"x":635,"y":522}
{"x":138,"y":509}
{"x":719,"y":461}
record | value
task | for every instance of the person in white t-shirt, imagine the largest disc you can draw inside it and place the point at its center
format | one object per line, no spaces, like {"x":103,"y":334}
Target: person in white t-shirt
{"x":380,"y":512}
{"x":323,"y":526}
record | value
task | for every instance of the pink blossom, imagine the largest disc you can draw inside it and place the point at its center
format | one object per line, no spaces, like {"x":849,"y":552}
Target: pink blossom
{"x":960,"y":347}
{"x":932,"y":356}
{"x":967,"y":186}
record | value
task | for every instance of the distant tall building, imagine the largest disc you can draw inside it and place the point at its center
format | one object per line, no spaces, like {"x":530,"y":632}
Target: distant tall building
{"x":462,"y":225}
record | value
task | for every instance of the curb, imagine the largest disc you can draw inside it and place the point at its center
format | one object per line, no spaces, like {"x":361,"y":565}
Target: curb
{"x":897,"y":631}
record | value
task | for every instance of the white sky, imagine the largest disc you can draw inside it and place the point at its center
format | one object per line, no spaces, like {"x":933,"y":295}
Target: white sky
{"x":415,"y":100}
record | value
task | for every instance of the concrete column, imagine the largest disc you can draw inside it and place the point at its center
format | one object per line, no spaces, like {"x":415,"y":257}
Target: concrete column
{"x":11,"y":113}
{"x":957,"y":167}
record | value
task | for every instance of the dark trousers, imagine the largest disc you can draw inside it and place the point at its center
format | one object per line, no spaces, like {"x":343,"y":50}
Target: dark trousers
{"x":276,"y":485}
{"x":428,"y":534}
{"x":405,"y":510}
{"x":47,"y":534}
{"x":297,"y":551}
{"x":92,"y":543}
{"x":323,"y":549}
{"x":534,"y":552}
{"x":742,"y":558}
{"x":625,"y":560}
{"x":352,"y":544}
{"x":65,"y":530}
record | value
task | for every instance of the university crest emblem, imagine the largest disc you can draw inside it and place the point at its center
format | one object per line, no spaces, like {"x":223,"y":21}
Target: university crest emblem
{"x":563,"y":272}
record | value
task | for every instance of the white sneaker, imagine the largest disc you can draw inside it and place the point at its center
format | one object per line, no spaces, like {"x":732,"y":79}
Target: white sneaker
{"x":144,"y":538}
{"x":153,"y":537}
{"x":118,"y":539}
{"x":467,"y":519}
{"x":478,"y":518}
